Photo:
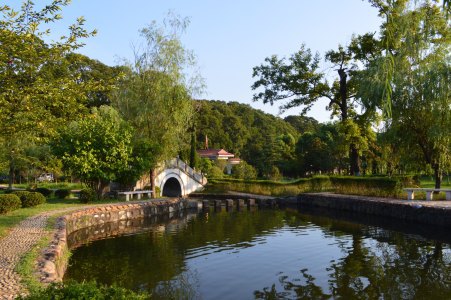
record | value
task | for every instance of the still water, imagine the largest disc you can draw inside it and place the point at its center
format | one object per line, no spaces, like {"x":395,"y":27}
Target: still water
{"x":271,"y":254}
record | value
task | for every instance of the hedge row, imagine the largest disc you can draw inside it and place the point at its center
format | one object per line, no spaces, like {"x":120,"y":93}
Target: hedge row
{"x":366,"y":186}
{"x":271,"y":188}
{"x":17,"y":199}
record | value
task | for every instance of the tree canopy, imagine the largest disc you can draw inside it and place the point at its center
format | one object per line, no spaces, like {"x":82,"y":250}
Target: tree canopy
{"x":96,"y":148}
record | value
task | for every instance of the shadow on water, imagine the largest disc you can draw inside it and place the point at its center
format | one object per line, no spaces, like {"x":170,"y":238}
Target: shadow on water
{"x":181,"y":256}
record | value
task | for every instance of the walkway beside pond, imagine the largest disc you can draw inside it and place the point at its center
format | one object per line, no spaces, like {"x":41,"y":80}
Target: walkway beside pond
{"x":19,"y":241}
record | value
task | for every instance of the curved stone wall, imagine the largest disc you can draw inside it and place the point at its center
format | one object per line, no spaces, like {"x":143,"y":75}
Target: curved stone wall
{"x":53,"y":262}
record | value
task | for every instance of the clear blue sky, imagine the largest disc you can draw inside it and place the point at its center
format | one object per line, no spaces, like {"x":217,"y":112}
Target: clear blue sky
{"x":228,"y":37}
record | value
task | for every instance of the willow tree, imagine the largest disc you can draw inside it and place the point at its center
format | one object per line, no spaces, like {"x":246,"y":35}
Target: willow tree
{"x":420,"y":86}
{"x":155,"y":95}
{"x":34,"y":97}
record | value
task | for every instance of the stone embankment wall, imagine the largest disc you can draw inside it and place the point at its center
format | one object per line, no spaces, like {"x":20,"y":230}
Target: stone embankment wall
{"x":53,"y":262}
{"x":426,"y":212}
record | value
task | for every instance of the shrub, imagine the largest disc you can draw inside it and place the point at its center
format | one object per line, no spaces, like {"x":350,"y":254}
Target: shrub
{"x":244,"y":171}
{"x":269,"y":187}
{"x":215,"y":172}
{"x":367,"y":186}
{"x":9,"y":202}
{"x":44,"y":191}
{"x":157,"y":192}
{"x":84,"y":291}
{"x":87,"y":195}
{"x":62,"y":193}
{"x":29,"y":199}
{"x":20,"y":194}
{"x":32,"y":199}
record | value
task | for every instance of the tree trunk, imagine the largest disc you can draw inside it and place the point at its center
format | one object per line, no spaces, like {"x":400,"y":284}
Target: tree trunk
{"x":437,"y":176}
{"x":11,"y":174}
{"x":353,"y":152}
{"x":354,"y":160}
{"x":152,"y":182}
{"x":101,"y":188}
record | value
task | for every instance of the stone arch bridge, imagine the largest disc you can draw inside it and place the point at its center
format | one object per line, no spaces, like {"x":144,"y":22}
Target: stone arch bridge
{"x":175,"y":178}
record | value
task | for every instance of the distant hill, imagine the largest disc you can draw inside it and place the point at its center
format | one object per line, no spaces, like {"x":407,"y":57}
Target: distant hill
{"x":243,"y":130}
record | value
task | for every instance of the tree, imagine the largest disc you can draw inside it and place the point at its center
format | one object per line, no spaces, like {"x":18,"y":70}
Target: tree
{"x":193,"y":156}
{"x":244,"y":171}
{"x":299,"y":81}
{"x":155,"y":95}
{"x":91,"y":70}
{"x":34,"y":100}
{"x":420,"y":87}
{"x":97,"y":148}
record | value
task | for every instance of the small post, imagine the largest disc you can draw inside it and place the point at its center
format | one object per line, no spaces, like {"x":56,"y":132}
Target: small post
{"x":229,"y":203}
{"x":410,"y":195}
{"x":218,"y":203}
{"x":429,"y":195}
{"x":250,"y":202}
{"x":240,"y":203}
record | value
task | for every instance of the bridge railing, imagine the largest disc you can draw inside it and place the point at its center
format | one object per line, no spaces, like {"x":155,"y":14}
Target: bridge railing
{"x":180,"y":164}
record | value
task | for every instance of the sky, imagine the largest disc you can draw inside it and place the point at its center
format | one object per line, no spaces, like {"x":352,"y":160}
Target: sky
{"x":229,"y":38}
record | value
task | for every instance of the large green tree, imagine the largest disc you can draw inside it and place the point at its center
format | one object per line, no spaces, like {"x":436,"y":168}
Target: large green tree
{"x":97,"y":148}
{"x":155,"y":95}
{"x":34,"y":98}
{"x":299,"y":82}
{"x":420,"y":85}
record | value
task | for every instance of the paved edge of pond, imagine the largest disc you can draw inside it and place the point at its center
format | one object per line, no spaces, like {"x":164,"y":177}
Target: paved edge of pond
{"x":229,"y":195}
{"x":19,"y":241}
{"x":54,"y":259}
{"x":426,"y":212}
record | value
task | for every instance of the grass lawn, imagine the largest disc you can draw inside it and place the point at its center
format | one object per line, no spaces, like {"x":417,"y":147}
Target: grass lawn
{"x":49,"y":185}
{"x":9,"y":220}
{"x":428,"y":183}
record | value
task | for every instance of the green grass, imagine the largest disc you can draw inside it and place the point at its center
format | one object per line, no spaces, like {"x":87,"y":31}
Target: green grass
{"x":9,"y":220}
{"x":50,"y":185}
{"x":368,"y":186}
{"x":431,"y":184}
{"x":26,"y":266}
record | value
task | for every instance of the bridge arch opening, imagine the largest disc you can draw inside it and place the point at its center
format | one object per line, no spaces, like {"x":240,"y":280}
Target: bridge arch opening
{"x":172,"y":188}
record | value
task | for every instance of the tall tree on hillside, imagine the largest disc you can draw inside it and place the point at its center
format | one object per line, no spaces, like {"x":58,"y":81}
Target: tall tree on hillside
{"x":421,"y":106}
{"x":300,"y":83}
{"x":155,"y":96}
{"x":34,"y":100}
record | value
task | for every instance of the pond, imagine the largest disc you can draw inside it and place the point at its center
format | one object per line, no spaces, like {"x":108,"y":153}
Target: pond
{"x":272,"y":254}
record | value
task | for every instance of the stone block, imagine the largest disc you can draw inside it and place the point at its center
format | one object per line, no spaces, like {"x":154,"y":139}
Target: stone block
{"x":229,"y":203}
{"x":240,"y":203}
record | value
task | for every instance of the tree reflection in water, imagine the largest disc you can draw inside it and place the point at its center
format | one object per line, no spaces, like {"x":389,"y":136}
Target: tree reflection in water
{"x":366,"y":260}
{"x":381,"y":264}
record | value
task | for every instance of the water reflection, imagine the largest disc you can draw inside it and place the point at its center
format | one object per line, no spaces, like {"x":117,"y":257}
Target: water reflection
{"x":272,"y":254}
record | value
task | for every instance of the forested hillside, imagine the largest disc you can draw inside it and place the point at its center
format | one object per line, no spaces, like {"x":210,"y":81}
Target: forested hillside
{"x":261,"y":139}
